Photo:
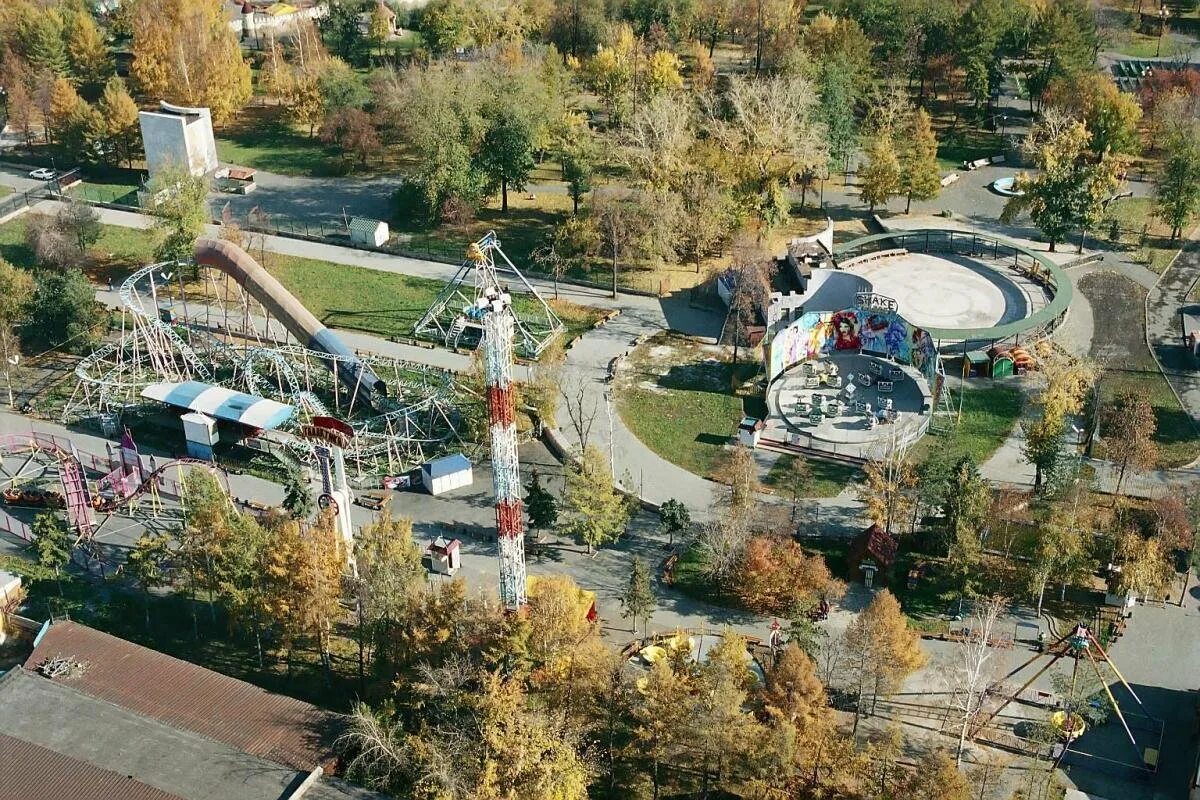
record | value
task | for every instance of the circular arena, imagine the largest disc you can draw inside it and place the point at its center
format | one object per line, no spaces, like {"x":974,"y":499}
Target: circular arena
{"x":966,"y":288}
{"x":854,"y":363}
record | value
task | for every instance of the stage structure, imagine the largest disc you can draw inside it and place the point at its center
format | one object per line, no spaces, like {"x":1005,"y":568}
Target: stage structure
{"x":535,"y":324}
{"x":492,"y":310}
{"x":227,"y":322}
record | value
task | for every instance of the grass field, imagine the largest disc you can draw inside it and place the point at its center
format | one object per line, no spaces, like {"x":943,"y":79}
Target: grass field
{"x":260,"y":139}
{"x":1120,"y":347}
{"x":828,"y":478}
{"x":385,"y":303}
{"x":673,"y":394}
{"x":1135,"y":215}
{"x":5,"y":191}
{"x":966,"y":144}
{"x":988,"y":416}
{"x":118,"y":252}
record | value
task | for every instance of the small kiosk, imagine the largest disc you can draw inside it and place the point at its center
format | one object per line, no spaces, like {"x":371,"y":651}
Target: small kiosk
{"x":200,"y":432}
{"x":749,"y":431}
{"x":368,"y":232}
{"x":446,"y":474}
{"x":445,"y":555}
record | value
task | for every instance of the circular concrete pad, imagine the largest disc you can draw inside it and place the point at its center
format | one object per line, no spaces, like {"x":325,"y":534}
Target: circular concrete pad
{"x":946,"y":291}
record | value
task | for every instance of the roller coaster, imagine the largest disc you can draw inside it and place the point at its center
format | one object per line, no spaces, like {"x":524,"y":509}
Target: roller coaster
{"x":223,"y":319}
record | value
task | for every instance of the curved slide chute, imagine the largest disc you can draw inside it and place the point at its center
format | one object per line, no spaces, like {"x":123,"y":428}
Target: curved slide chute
{"x":299,"y":321}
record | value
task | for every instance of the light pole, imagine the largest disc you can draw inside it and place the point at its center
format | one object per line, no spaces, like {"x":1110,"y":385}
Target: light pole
{"x":1163,"y":13}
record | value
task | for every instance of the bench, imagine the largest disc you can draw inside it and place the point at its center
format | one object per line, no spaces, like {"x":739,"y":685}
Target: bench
{"x":949,"y":179}
{"x":867,"y":258}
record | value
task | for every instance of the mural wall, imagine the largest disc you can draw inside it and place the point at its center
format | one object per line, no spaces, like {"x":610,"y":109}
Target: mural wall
{"x":873,"y":331}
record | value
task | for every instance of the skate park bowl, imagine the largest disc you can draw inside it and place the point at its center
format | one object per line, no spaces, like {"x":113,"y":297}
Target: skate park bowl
{"x":966,"y":289}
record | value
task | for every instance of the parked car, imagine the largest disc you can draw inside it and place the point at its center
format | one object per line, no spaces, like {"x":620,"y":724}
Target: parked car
{"x":42,"y":174}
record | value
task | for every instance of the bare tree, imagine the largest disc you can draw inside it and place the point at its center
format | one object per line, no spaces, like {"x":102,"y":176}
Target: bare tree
{"x":581,"y":413}
{"x":976,"y":668}
{"x":720,"y":545}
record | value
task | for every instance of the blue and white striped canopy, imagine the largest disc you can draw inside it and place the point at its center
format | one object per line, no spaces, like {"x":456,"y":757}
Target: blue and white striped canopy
{"x":224,"y":404}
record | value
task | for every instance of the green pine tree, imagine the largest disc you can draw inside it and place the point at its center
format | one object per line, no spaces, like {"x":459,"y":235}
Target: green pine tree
{"x":52,"y":543}
{"x":540,"y":503}
{"x":638,"y":598}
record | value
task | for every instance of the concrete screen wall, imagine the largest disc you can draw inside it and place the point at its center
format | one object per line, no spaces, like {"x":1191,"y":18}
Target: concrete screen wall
{"x":178,"y":135}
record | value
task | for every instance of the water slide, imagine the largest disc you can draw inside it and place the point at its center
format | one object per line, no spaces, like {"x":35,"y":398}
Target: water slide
{"x":299,"y":321}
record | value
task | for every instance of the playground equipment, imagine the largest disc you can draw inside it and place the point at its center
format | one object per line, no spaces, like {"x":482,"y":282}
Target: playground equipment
{"x":1079,"y":645}
{"x":234,"y":325}
{"x":535,"y":324}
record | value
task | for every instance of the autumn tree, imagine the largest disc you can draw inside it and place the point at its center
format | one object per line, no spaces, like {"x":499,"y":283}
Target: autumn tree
{"x":887,"y":488}
{"x":1146,"y":568}
{"x":794,"y":693}
{"x":599,"y":513}
{"x":881,"y":649}
{"x":147,"y":563}
{"x":920,"y":176}
{"x":638,"y":598}
{"x":659,"y":721}
{"x":18,"y":289}
{"x":184,"y":52}
{"x":771,"y":130}
{"x":1070,"y":188}
{"x":314,"y":561}
{"x":775,"y":576}
{"x":1059,"y":554}
{"x":120,"y":115}
{"x":1111,"y":116}
{"x":64,"y":102}
{"x":1128,"y":429}
{"x":659,"y":139}
{"x":86,"y":50}
{"x":737,"y":470}
{"x":389,"y":573}
{"x":975,"y":674}
{"x":880,"y":179}
{"x":352,"y":131}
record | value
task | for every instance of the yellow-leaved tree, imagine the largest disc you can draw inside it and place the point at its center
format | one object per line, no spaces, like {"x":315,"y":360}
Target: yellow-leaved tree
{"x":184,"y":52}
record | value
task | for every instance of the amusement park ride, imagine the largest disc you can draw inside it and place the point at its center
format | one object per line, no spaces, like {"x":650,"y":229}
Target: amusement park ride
{"x":229,"y":323}
{"x":1079,"y":645}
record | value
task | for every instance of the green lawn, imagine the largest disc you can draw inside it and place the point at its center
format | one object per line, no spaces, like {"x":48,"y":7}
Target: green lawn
{"x":261,"y":139}
{"x":1120,"y":347}
{"x":828,"y":477}
{"x":673,"y":394}
{"x":988,"y":416}
{"x":383,"y":303}
{"x":967,"y":145}
{"x":5,"y":191}
{"x":1154,"y":248}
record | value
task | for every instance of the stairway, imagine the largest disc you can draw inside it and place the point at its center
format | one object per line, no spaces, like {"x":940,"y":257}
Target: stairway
{"x":456,"y":331}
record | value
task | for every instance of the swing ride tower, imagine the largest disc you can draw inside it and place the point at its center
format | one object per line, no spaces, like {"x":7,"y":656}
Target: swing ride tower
{"x":493,"y":310}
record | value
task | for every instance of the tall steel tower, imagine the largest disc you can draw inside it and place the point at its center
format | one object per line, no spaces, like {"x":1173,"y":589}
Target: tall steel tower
{"x":493,"y":308}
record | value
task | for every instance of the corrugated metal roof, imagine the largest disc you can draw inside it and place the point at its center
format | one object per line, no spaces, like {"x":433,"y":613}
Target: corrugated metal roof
{"x":447,"y":465}
{"x":186,"y":696}
{"x":31,"y":772}
{"x":222,"y":403}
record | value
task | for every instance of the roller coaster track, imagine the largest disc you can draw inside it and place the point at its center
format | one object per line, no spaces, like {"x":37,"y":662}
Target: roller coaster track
{"x":152,"y":481}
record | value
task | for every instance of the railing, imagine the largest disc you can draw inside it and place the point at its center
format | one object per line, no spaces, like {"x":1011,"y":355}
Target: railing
{"x":1034,"y":265}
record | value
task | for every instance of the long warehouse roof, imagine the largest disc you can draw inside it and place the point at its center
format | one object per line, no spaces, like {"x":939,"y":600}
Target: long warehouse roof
{"x":224,"y":404}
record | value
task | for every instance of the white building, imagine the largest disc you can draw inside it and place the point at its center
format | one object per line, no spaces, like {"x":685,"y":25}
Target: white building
{"x":178,"y":135}
{"x":446,"y":474}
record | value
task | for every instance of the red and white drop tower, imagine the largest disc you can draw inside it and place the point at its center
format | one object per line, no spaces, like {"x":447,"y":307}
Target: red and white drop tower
{"x":493,"y":308}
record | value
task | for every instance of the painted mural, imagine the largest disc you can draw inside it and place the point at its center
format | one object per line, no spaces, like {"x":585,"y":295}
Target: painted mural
{"x":871,"y":330}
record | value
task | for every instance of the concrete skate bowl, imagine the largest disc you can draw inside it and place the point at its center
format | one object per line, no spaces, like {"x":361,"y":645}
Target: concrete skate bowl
{"x":966,"y":289}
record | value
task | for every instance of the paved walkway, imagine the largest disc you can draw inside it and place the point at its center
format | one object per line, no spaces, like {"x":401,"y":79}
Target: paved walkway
{"x":1166,"y":297}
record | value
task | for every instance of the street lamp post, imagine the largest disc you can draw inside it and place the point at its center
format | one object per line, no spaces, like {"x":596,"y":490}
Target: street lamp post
{"x":1163,"y":13}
